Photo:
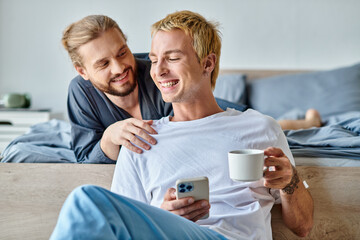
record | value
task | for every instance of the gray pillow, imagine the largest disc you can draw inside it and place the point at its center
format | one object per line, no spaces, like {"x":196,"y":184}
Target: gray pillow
{"x":231,"y":87}
{"x":330,"y":92}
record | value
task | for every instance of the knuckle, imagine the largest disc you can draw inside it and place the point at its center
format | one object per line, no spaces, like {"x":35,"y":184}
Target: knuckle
{"x":133,"y":138}
{"x":186,"y":216}
{"x":139,"y":131}
{"x":131,"y":147}
{"x":127,"y":144}
{"x":199,"y":205}
{"x":169,"y":191}
{"x":127,"y":123}
{"x":182,"y":212}
{"x":143,"y":145}
{"x":171,"y":205}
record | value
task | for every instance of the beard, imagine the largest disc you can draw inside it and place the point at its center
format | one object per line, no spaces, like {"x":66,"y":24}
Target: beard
{"x":126,"y":89}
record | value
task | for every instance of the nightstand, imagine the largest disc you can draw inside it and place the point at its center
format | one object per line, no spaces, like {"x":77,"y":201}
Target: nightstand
{"x":16,"y":122}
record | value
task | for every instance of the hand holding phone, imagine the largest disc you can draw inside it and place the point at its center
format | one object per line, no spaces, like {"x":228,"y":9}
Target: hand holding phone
{"x":198,"y":188}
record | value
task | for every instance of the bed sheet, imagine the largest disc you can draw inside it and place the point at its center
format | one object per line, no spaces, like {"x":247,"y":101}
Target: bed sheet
{"x":47,"y":142}
{"x":339,"y":137}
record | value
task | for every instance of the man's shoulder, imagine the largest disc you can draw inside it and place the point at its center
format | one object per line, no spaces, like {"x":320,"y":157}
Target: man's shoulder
{"x":251,"y":117}
{"x":78,"y":81}
{"x":82,"y":91}
{"x":267,"y":123}
{"x":81,"y":87}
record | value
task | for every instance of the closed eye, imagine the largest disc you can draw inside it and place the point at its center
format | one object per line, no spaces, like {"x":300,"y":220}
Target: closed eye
{"x":122,"y":53}
{"x":173,"y":59}
{"x":102,"y":64}
{"x":153,"y":60}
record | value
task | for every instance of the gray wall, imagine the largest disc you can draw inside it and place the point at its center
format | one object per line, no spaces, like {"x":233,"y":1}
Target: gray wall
{"x":280,"y":34}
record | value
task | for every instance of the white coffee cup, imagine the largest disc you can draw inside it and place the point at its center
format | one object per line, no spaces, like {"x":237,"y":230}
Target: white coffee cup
{"x":246,"y":164}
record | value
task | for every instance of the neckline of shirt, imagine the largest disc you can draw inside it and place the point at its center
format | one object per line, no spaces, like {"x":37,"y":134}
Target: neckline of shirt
{"x":166,"y":120}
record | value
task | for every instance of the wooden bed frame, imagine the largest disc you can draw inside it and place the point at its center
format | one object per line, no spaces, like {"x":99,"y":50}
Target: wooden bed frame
{"x":31,"y":196}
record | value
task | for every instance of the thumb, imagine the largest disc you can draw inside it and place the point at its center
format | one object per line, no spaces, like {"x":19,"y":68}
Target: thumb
{"x":170,"y":194}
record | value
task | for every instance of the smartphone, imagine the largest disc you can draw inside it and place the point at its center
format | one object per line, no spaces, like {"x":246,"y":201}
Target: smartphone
{"x":198,"y":188}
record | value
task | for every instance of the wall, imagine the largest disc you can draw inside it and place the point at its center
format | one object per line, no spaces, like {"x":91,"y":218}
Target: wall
{"x":281,"y":34}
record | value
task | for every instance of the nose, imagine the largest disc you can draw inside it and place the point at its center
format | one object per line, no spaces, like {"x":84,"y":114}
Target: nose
{"x":117,"y":67}
{"x":159,"y":69}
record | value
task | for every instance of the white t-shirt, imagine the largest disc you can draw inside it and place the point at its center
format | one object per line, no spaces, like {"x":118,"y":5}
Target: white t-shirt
{"x":239,"y":210}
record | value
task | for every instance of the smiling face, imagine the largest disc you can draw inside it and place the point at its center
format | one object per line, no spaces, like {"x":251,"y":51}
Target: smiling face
{"x":175,"y":67}
{"x":109,"y":64}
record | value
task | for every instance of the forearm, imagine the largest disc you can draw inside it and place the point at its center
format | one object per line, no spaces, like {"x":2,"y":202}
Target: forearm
{"x":297,"y":206}
{"x":108,"y":147}
{"x":96,"y":155}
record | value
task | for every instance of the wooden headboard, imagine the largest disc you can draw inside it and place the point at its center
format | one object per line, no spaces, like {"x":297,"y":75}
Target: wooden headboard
{"x":256,"y":74}
{"x":31,"y":196}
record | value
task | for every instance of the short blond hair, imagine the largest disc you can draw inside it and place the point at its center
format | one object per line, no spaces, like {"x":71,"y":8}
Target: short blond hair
{"x":83,"y":31}
{"x":205,"y":35}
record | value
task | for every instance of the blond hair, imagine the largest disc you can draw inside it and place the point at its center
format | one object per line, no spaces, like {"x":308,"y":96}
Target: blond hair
{"x":83,"y":31}
{"x":205,"y":35}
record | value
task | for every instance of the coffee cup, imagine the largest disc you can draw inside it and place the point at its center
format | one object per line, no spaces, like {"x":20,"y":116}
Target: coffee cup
{"x":246,"y":164}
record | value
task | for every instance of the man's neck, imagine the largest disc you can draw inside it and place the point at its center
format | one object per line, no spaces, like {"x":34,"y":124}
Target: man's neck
{"x":196,"y":109}
{"x":129,"y":103}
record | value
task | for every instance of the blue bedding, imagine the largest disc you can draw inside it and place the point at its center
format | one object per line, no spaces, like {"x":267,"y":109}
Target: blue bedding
{"x":49,"y":142}
{"x":339,"y":137}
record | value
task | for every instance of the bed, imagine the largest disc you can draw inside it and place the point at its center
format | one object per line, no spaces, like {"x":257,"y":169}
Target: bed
{"x":288,"y":94}
{"x":280,"y":94}
{"x":32,"y":194}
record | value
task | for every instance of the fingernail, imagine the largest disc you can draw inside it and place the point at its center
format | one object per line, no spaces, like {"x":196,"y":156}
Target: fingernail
{"x":153,"y":142}
{"x":204,"y":204}
{"x":191,"y":201}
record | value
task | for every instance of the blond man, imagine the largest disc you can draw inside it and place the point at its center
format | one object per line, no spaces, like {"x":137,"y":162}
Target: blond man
{"x":194,"y":142}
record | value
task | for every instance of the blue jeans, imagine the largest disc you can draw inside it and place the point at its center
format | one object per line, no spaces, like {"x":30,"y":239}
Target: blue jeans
{"x":92,"y":212}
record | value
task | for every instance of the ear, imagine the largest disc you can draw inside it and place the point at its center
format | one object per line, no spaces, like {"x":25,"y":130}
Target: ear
{"x":82,"y":72}
{"x":209,"y":63}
